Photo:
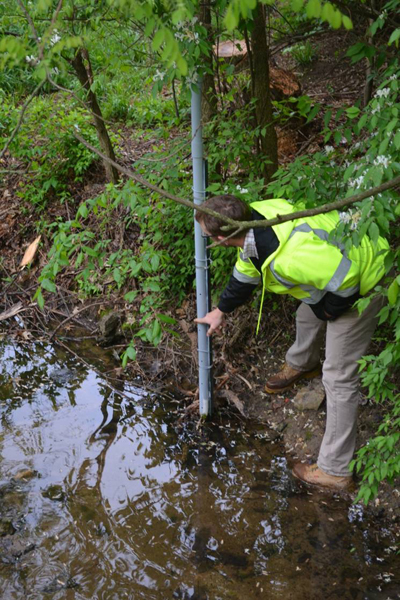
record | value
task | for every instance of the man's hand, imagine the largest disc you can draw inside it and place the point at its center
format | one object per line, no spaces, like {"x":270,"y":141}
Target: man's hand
{"x":214,"y":319}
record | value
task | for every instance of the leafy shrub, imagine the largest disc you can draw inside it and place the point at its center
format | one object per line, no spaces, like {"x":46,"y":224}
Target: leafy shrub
{"x":56,"y":157}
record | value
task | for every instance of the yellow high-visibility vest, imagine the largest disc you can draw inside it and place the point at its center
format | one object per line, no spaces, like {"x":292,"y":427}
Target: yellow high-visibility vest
{"x":309,"y":262}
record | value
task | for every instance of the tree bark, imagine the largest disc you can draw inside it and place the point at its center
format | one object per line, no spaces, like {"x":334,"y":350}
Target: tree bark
{"x":208,"y":97}
{"x":85,"y":77}
{"x":268,"y":142}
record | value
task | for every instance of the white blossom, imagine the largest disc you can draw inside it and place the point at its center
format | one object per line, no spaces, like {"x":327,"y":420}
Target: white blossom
{"x":32,"y":60}
{"x":381,"y":160}
{"x":393,"y":77}
{"x":350,"y":218}
{"x":329,"y":149}
{"x":345,"y":217}
{"x":356,"y":183}
{"x":192,"y":77}
{"x":159,"y":76}
{"x":242,"y":190}
{"x":383,"y":93}
{"x":55,"y":38}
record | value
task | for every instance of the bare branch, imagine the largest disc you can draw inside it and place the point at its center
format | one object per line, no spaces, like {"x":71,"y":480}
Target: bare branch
{"x":133,"y":175}
{"x":243,"y":225}
{"x":30,"y":21}
{"x":319,"y":210}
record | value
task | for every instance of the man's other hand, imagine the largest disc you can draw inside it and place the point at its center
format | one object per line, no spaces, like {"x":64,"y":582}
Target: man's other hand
{"x":215,"y":319}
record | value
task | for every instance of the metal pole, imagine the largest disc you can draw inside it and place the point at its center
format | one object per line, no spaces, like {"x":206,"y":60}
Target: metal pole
{"x":201,"y":258}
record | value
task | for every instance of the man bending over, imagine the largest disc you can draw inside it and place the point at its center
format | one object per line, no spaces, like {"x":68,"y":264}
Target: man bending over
{"x":302,"y":259}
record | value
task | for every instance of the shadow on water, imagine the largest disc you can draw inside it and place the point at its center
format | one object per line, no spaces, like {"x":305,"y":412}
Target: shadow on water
{"x":103,"y":498}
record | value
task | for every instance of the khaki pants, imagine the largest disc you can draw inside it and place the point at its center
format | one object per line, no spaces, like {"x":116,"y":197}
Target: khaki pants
{"x":347,"y":340}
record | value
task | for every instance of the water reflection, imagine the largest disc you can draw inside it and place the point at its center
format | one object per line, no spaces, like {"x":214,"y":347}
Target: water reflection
{"x":123,"y":505}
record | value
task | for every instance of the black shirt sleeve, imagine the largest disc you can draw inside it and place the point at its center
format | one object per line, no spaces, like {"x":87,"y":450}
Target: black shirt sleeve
{"x":235,"y":294}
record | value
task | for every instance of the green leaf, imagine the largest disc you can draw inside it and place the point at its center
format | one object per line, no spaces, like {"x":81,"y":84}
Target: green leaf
{"x":313,"y":9}
{"x":327,"y":11}
{"x":48,"y":285}
{"x":117,"y":275}
{"x":383,"y":146}
{"x":392,"y":125}
{"x":182,"y":65}
{"x":82,"y":211}
{"x":397,"y":140}
{"x":352,"y":112}
{"x":362,"y":121}
{"x":297,"y":5}
{"x":166,"y":319}
{"x":336,"y":19}
{"x":373,"y":232}
{"x":131,"y":352}
{"x":393,"y":292}
{"x":231,"y":19}
{"x":152,"y":285}
{"x":158,"y":39}
{"x":156,"y":332}
{"x":347,"y":22}
{"x":155,"y":262}
{"x":39,"y":298}
{"x":394,"y":37}
{"x":327,"y":117}
{"x":130,"y":296}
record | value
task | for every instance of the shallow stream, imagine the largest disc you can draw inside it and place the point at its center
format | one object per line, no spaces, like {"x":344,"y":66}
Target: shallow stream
{"x":104,"y":497}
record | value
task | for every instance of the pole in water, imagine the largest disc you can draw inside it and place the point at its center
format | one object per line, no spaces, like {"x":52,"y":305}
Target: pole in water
{"x":201,"y":258}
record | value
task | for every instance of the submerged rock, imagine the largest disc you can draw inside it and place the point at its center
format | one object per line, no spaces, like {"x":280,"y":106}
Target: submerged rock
{"x":311,"y":396}
{"x":109,"y":326}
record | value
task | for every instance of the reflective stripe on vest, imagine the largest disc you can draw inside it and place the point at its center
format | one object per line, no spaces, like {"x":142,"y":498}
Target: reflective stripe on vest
{"x":336,"y":280}
{"x":243,"y":278}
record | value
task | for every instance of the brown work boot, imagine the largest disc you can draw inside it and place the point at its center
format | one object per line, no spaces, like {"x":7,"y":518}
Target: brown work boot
{"x":313,"y":475}
{"x":287,"y":377}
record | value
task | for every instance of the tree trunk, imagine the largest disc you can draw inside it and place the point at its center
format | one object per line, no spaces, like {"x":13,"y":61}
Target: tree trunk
{"x":268,"y":141}
{"x":85,"y":77}
{"x":208,"y":98}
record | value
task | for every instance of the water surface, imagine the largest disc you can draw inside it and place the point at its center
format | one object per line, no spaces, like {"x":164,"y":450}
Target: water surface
{"x":104,"y":497}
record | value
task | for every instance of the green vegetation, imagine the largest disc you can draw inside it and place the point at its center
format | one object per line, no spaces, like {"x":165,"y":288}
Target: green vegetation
{"x":119,"y":74}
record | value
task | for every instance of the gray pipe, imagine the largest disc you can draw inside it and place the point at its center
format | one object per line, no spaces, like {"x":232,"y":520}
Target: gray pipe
{"x":201,"y":258}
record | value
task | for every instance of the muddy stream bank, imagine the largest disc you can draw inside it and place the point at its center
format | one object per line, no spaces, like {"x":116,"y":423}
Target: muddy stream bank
{"x":104,"y":497}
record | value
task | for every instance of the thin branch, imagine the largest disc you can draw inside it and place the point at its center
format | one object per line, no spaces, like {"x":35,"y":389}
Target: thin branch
{"x":243,"y":225}
{"x":133,"y":175}
{"x":21,"y":117}
{"x":319,"y":210}
{"x":30,"y":21}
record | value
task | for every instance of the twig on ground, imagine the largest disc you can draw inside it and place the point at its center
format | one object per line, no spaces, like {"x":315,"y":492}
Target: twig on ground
{"x":72,"y":315}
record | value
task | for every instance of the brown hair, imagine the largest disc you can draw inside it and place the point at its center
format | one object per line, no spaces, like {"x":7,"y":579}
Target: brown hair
{"x":226,"y":205}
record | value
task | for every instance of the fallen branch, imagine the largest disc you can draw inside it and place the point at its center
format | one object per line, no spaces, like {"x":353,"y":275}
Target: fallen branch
{"x":73,"y":315}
